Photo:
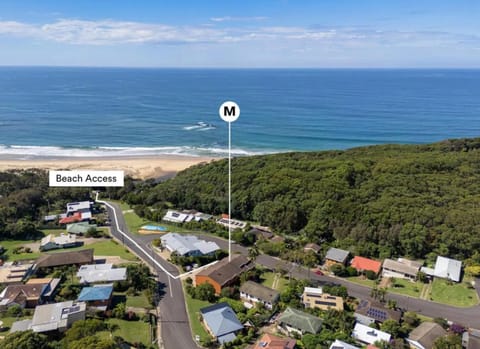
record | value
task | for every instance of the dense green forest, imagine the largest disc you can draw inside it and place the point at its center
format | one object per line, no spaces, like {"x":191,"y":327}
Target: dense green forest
{"x":386,"y":200}
{"x":25,"y":198}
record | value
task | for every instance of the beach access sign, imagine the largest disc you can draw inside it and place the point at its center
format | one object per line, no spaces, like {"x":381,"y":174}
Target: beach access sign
{"x":86,"y":178}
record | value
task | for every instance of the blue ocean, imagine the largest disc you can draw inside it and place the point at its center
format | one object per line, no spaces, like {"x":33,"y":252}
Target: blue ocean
{"x":97,"y":112}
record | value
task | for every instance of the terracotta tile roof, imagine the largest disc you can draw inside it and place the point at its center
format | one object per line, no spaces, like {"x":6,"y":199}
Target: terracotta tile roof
{"x":362,"y":263}
{"x":269,"y":341}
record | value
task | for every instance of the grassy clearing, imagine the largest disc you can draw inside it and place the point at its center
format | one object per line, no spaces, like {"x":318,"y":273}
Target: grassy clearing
{"x":268,"y":279}
{"x":457,"y":294}
{"x":123,"y":205}
{"x":10,"y":245}
{"x":407,"y":288}
{"x":131,"y":331}
{"x":104,"y":248}
{"x":139,"y":301}
{"x":361,"y":280}
{"x":134,"y":222}
{"x":193,"y":310}
{"x":8,"y":321}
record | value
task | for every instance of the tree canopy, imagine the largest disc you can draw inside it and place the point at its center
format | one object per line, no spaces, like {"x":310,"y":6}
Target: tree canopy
{"x":385,"y":200}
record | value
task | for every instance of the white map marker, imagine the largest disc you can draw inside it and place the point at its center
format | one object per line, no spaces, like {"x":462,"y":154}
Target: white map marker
{"x":229,"y":112}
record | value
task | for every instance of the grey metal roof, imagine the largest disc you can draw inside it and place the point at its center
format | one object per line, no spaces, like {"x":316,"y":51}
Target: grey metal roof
{"x":221,"y":319}
{"x":448,"y":268}
{"x":259,"y":291}
{"x":400,"y":267}
{"x":426,"y":333}
{"x":49,"y":317}
{"x":101,"y":273}
{"x":185,"y":244}
{"x":337,"y":255}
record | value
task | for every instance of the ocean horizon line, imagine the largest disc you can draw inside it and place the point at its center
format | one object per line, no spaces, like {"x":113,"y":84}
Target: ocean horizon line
{"x":414,"y":68}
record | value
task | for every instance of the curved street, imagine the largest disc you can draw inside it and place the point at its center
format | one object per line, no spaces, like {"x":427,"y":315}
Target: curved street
{"x":175,"y":327}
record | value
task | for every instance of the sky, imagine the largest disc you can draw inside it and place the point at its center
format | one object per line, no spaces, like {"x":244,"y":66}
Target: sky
{"x":241,"y":34}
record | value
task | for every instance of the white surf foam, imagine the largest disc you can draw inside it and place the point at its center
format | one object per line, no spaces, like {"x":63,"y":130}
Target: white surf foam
{"x":30,"y":152}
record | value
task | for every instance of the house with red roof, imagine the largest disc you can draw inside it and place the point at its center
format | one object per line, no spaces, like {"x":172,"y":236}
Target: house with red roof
{"x":362,"y":264}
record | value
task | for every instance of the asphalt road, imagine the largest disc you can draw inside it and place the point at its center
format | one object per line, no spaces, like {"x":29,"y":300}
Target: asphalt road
{"x":466,"y":316}
{"x":175,"y":326}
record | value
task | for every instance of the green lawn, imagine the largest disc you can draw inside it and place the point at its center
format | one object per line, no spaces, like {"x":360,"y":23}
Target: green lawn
{"x":457,"y":294}
{"x":267,"y":280}
{"x":134,"y":222}
{"x":123,"y":205}
{"x":406,"y":287}
{"x":8,"y":321}
{"x":361,"y":280}
{"x":193,"y":309}
{"x":103,"y":248}
{"x":139,"y":301}
{"x":131,"y":331}
{"x":9,"y":245}
{"x":55,"y":232}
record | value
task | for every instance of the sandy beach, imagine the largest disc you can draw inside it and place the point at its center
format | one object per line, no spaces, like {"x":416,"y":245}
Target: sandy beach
{"x":138,"y":167}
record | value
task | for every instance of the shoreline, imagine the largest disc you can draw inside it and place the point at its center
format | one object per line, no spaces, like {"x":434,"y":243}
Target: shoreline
{"x":140,"y":167}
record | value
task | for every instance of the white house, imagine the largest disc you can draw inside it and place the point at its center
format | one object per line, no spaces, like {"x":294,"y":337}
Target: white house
{"x":57,"y":316}
{"x":51,"y":242}
{"x":369,"y":335}
{"x":252,"y":293}
{"x":232,"y":223}
{"x":188,"y":245}
{"x":99,"y":273}
{"x":81,"y":206}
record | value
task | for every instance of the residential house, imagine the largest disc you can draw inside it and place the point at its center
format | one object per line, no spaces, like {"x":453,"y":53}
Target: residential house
{"x":80,"y":227}
{"x":224,"y":273}
{"x":269,"y":341}
{"x":185,"y":216}
{"x":14,"y":272}
{"x":221,"y":322}
{"x":401,"y":268}
{"x":65,"y":258}
{"x":342,"y":345}
{"x":252,"y":293}
{"x":52,"y":242}
{"x":80,"y":206}
{"x":100,"y":273}
{"x":425,"y":335}
{"x":29,"y":295}
{"x":232,"y":223}
{"x":362,"y":264}
{"x":445,"y":268}
{"x":336,"y":256}
{"x":294,"y":321}
{"x":188,"y":245}
{"x":50,"y":289}
{"x":315,"y":298}
{"x":311,"y":247}
{"x":57,"y":316}
{"x":369,"y":335}
{"x":175,"y":217}
{"x":261,"y":232}
{"x":97,"y":296}
{"x":471,"y":339}
{"x":52,"y":218}
{"x":369,"y":312}
{"x":26,"y":296}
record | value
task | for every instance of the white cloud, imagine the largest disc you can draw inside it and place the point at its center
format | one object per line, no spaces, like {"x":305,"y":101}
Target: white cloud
{"x":111,"y":32}
{"x":238,"y":19}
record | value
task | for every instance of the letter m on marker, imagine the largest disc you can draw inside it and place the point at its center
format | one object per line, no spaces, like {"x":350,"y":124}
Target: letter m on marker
{"x":229,"y":112}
